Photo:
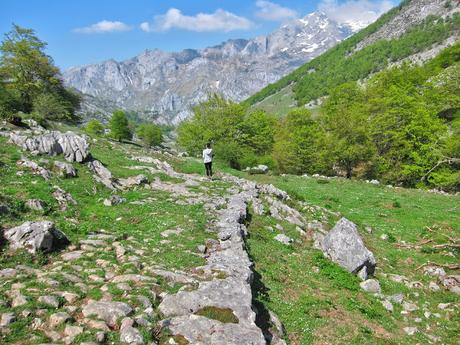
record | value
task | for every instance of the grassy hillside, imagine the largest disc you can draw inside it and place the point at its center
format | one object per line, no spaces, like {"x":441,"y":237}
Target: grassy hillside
{"x":317,"y":301}
{"x":342,"y":63}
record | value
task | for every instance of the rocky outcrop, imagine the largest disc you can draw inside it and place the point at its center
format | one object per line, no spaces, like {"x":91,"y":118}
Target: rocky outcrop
{"x":35,"y":236}
{"x":35,"y":168}
{"x":75,"y":148}
{"x":232,"y":293}
{"x":344,"y":246}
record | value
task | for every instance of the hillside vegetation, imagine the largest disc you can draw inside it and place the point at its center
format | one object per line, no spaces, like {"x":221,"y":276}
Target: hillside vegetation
{"x":343,"y":63}
{"x":401,"y":127}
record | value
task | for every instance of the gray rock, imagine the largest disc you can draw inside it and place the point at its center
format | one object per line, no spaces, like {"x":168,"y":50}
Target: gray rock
{"x":114,"y":200}
{"x":129,"y":334}
{"x":283,"y":239}
{"x":58,"y":319}
{"x":344,"y":245}
{"x":103,"y":175}
{"x":36,"y":169}
{"x":410,"y":330}
{"x":370,"y":285}
{"x":408,"y":306}
{"x":36,"y":236}
{"x":6,"y":319}
{"x":36,"y":204}
{"x":387,"y":305}
{"x":74,"y":147}
{"x":65,"y":169}
{"x":63,"y":198}
{"x":275,"y":321}
{"x":50,"y":301}
{"x":73,"y":331}
{"x":8,"y":273}
{"x":133,"y":181}
{"x":110,"y":312}
{"x":397,"y":298}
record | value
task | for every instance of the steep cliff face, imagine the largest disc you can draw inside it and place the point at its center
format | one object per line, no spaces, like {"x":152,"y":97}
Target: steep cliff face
{"x":164,"y":86}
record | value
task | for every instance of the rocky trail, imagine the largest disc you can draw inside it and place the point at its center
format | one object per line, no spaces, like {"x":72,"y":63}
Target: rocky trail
{"x":109,"y":287}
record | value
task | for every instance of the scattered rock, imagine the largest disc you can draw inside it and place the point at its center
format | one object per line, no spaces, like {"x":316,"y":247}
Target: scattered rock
{"x":434,"y":287}
{"x":7,"y":319}
{"x":63,"y":198}
{"x":387,"y":305}
{"x":110,"y":312}
{"x":36,"y":205}
{"x":129,"y":334}
{"x":65,"y":169}
{"x":410,"y":330}
{"x":50,"y":301}
{"x":451,"y":283}
{"x":407,"y":306}
{"x":114,"y":200}
{"x":58,"y":319}
{"x":36,"y":236}
{"x":36,"y":169}
{"x":370,"y":285}
{"x":283,"y":239}
{"x":397,"y":298}
{"x":344,"y":245}
{"x":133,"y":181}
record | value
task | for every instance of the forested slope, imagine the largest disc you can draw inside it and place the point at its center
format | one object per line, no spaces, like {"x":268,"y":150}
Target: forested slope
{"x":366,"y":52}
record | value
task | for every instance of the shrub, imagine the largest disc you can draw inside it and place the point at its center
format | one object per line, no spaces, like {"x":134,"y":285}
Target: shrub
{"x":150,"y":134}
{"x":94,"y":127}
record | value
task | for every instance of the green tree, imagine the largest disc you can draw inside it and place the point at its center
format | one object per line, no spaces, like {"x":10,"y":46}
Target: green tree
{"x":94,"y":127}
{"x":297,"y":146}
{"x":345,"y":118}
{"x":150,"y":134}
{"x":405,"y":127}
{"x":258,"y":131}
{"x":119,"y":126}
{"x":29,"y":72}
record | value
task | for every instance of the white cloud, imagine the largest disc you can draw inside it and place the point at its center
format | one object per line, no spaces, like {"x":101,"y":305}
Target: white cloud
{"x":362,"y":11}
{"x":220,"y":20}
{"x":271,"y":11}
{"x":104,"y":26}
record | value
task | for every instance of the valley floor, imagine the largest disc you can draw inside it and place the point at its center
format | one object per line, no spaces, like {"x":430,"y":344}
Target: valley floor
{"x":134,"y":268}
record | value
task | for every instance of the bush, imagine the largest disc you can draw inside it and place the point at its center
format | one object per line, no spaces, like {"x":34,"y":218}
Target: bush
{"x":150,"y":134}
{"x":94,"y":127}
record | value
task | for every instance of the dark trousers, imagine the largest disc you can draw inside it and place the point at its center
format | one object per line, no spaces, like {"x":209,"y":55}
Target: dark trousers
{"x":208,"y":167}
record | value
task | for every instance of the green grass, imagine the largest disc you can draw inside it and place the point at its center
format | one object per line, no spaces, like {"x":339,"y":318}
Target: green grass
{"x":320,"y":303}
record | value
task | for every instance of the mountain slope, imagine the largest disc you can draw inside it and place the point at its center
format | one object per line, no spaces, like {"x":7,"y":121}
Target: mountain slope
{"x":415,"y":30}
{"x":157,"y":82}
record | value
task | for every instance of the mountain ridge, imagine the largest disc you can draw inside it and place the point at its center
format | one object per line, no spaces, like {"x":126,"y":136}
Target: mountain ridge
{"x":164,"y":85}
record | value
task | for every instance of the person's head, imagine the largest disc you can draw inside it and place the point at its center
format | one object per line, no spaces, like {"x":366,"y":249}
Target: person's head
{"x":208,"y":145}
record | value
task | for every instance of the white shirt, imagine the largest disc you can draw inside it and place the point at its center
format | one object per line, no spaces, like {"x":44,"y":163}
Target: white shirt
{"x":207,"y":155}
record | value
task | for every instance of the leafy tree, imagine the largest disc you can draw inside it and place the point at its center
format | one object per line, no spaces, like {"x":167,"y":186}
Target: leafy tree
{"x":94,"y":127}
{"x":9,"y":103}
{"x":297,"y":143}
{"x":150,"y":134}
{"x":404,"y":126}
{"x":346,"y":122}
{"x":27,"y":71}
{"x":258,"y":128}
{"x":119,"y":126}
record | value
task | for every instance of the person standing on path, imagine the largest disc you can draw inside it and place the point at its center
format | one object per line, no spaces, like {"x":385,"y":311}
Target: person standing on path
{"x":207,"y":159}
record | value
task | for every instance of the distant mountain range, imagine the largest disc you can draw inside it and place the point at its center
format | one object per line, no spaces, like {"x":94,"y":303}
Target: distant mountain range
{"x":163,"y":86}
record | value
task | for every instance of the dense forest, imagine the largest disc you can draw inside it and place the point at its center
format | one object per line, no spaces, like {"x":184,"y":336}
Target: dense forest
{"x":402,"y":127}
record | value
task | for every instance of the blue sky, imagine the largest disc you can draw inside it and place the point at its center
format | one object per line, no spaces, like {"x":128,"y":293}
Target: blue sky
{"x":87,"y":31}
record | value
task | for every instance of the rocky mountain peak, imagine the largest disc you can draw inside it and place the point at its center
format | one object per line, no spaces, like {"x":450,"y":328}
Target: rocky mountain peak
{"x":158,"y":82}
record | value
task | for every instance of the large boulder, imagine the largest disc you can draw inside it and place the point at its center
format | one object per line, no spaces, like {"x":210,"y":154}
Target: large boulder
{"x":75,"y":148}
{"x":36,"y":236}
{"x":344,"y":245}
